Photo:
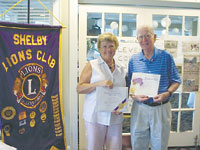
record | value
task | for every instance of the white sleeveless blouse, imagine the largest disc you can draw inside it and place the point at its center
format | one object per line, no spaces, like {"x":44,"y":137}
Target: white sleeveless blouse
{"x":101,"y":71}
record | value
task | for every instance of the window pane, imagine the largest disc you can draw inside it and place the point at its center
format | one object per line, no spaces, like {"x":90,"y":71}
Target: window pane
{"x":126,"y":125}
{"x":174,"y":121}
{"x":159,"y":24}
{"x":38,"y":14}
{"x":174,"y":100}
{"x":185,"y":98}
{"x":191,"y":100}
{"x":94,"y":24}
{"x":112,"y":23}
{"x":92,"y":51}
{"x":186,"y":121}
{"x":18,"y":14}
{"x":176,"y":25}
{"x":191,"y":24}
{"x":128,"y":25}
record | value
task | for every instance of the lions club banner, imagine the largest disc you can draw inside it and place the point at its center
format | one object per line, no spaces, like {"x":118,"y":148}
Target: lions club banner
{"x":30,"y":102}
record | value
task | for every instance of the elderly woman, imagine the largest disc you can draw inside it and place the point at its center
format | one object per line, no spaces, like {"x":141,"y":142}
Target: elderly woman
{"x":103,"y":129}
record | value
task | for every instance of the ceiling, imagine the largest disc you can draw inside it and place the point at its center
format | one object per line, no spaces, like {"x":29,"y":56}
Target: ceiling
{"x":191,"y":4}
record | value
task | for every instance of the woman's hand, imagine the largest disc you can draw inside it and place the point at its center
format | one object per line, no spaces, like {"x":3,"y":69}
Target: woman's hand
{"x":106,"y":83}
{"x":117,"y":112}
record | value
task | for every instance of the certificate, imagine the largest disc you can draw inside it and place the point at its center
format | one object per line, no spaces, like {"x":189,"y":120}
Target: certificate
{"x":6,"y":147}
{"x":145,"y":84}
{"x":109,"y":100}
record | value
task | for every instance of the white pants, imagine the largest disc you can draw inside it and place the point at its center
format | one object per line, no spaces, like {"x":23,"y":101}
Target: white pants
{"x":150,"y":124}
{"x":102,"y":136}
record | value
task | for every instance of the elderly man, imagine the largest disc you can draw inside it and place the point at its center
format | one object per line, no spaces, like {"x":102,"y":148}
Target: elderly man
{"x":151,"y":116}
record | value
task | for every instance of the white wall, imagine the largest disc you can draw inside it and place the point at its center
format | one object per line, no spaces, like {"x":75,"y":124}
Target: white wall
{"x":69,"y":14}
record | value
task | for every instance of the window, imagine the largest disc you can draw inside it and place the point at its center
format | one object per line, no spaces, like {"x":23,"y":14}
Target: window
{"x":182,"y":111}
{"x":112,"y":23}
{"x":175,"y":25}
{"x":123,"y":25}
{"x":19,"y":14}
{"x":160,"y":24}
{"x":94,"y":24}
{"x":191,"y":24}
{"x":128,"y":25}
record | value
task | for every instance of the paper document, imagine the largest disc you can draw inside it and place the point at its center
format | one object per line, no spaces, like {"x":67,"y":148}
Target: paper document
{"x":145,"y":84}
{"x":109,"y":100}
{"x":4,"y":146}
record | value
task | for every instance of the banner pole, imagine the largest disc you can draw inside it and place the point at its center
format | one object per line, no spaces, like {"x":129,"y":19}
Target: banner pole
{"x":28,"y":11}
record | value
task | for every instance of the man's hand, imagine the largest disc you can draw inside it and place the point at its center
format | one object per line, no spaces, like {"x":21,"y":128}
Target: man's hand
{"x":139,"y":98}
{"x":161,"y":97}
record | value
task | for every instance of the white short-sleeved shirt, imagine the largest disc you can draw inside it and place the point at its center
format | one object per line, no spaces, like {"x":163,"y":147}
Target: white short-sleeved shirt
{"x":101,"y":71}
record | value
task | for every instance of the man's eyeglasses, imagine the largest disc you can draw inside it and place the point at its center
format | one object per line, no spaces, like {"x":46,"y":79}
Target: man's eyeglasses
{"x":146,"y":36}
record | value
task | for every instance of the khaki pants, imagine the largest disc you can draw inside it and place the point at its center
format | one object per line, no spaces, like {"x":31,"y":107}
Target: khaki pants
{"x":150,"y":125}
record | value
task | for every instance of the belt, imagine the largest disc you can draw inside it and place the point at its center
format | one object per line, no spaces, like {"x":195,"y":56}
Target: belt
{"x":155,"y":103}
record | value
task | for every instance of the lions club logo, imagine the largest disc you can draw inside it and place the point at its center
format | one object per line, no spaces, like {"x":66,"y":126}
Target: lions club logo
{"x":30,"y":87}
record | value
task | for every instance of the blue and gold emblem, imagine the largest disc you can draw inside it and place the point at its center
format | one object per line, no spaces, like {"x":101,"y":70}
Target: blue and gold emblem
{"x":30,"y":86}
{"x":7,"y":129}
{"x":43,"y":107}
{"x":32,"y":115}
{"x":32,"y":123}
{"x":8,"y":113}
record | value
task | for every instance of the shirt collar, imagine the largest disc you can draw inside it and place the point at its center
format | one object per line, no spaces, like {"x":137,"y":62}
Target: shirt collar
{"x":155,"y":54}
{"x":101,"y":61}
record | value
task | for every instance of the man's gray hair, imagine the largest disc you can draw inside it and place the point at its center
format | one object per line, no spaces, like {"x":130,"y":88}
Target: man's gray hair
{"x":150,"y":29}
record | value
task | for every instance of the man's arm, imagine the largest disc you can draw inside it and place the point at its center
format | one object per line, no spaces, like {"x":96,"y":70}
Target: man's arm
{"x":173,"y":88}
{"x":161,"y":97}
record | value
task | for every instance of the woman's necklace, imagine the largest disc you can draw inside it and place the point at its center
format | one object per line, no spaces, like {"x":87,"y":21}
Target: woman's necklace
{"x":112,"y":66}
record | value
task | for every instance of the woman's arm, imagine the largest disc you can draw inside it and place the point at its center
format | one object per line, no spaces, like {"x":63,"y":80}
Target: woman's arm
{"x":84,"y":86}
